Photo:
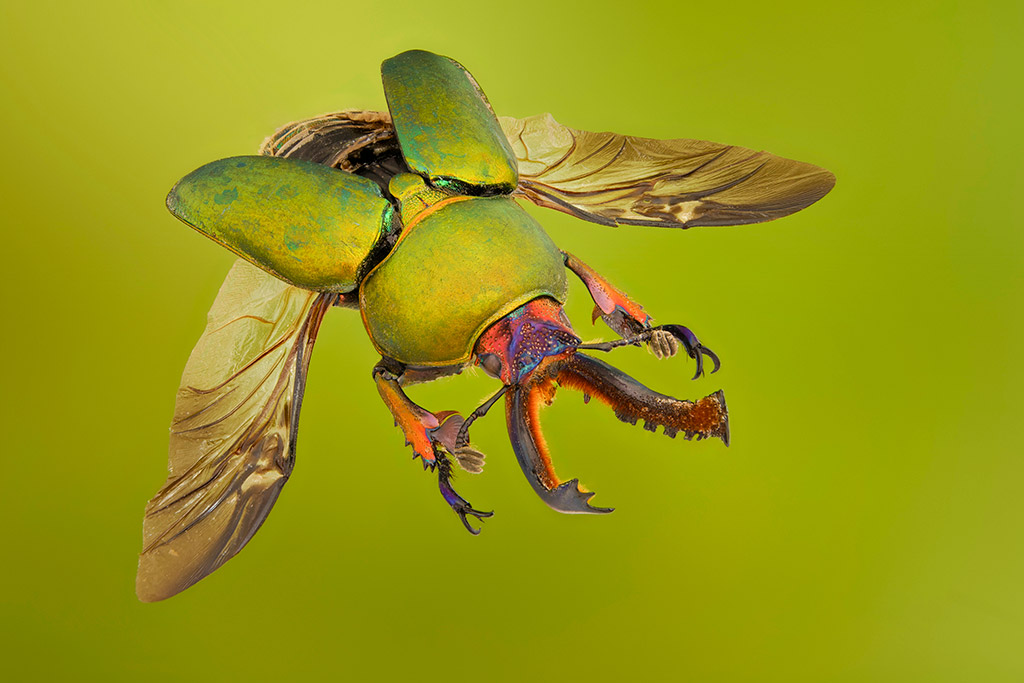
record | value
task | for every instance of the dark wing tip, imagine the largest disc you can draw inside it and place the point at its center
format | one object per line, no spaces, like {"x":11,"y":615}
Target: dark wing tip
{"x":779,"y":188}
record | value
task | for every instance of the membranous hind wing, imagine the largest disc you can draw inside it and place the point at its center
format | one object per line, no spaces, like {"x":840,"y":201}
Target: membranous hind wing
{"x":600,"y":177}
{"x":233,"y":434}
{"x":360,"y":142}
{"x":622,"y":180}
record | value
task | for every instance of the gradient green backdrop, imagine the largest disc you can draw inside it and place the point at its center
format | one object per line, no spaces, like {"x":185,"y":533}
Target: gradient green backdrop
{"x":864,"y":526}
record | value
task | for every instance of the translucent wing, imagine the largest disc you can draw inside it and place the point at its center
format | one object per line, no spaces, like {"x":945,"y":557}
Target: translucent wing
{"x":621,"y":180}
{"x":233,"y":434}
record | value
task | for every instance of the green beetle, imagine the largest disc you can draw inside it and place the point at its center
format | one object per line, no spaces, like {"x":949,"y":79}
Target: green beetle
{"x":411,"y":218}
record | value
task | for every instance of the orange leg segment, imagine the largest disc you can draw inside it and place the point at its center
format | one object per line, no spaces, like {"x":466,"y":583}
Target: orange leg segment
{"x":416,"y":423}
{"x":433,"y":438}
{"x":609,"y":300}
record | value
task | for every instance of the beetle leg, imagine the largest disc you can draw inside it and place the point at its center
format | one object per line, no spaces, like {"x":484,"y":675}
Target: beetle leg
{"x":694,"y":349}
{"x":628,"y":319}
{"x":432,"y":436}
{"x":459,"y":505}
{"x":661,"y":337}
{"x":416,"y":423}
{"x":462,"y":439}
{"x":425,"y":431}
{"x":618,"y":311}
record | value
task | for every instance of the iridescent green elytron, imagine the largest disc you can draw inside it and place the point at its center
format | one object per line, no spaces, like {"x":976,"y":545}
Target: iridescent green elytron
{"x":445,"y":124}
{"x":410,"y":217}
{"x":310,"y":225}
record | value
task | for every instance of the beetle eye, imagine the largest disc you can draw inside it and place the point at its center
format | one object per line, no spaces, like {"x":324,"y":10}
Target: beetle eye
{"x":491,"y":364}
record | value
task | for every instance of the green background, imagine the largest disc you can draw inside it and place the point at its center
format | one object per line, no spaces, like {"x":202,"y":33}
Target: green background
{"x":864,"y":526}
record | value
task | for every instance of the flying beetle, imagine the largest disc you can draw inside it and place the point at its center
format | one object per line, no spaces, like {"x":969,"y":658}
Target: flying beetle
{"x":410,"y":217}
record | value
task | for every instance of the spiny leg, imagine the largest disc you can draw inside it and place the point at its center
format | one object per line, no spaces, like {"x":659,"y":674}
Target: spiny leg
{"x":432,"y":437}
{"x":628,"y":319}
{"x":459,"y":504}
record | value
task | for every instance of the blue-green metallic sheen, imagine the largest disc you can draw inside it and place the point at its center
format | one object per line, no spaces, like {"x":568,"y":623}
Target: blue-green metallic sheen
{"x":458,"y":268}
{"x":306,"y":223}
{"x":414,"y":195}
{"x":445,"y":125}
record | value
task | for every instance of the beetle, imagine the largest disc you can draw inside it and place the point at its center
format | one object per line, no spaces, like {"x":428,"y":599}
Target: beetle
{"x":410,"y":217}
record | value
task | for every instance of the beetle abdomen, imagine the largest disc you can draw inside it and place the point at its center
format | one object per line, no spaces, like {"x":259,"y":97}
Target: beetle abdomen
{"x":462,"y":266}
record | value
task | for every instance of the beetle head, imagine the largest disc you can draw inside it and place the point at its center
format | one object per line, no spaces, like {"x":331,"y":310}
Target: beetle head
{"x":533,"y":350}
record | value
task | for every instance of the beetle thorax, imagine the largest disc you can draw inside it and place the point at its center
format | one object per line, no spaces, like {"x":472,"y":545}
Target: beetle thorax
{"x":414,"y":195}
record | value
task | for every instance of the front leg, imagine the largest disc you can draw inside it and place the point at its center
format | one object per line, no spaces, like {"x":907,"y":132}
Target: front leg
{"x":433,"y":436}
{"x":629,"y":320}
{"x":617,"y":310}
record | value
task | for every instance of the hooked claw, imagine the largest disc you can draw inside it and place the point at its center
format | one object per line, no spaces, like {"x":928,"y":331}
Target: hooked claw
{"x":462,"y":512}
{"x":459,"y":505}
{"x":693,"y":347}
